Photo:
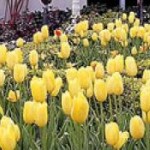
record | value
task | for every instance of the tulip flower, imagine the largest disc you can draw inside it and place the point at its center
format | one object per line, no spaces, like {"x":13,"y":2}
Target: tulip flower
{"x":2,"y":78}
{"x":111,"y":66}
{"x":20,"y":72}
{"x":13,"y":96}
{"x":84,"y":78}
{"x":119,"y":60}
{"x":33,"y":58}
{"x":65,"y":50}
{"x":110,"y":26}
{"x":80,"y":109}
{"x":94,"y":37}
{"x":131,"y":66}
{"x":19,"y":54}
{"x":112,"y":133}
{"x":100,"y":90}
{"x":145,"y":98}
{"x":71,"y":74}
{"x":63,"y":38}
{"x":86,"y":43}
{"x":124,"y":16}
{"x":134,"y":51}
{"x":12,"y":59}
{"x":67,"y":103}
{"x":137,"y":128}
{"x":28,"y":112}
{"x":99,"y":71}
{"x":146,"y":117}
{"x":146,"y":76}
{"x":90,"y":91}
{"x":45,"y":32}
{"x":38,"y":89}
{"x":20,"y":42}
{"x":98,"y":27}
{"x":41,"y":114}
{"x":3,"y":54}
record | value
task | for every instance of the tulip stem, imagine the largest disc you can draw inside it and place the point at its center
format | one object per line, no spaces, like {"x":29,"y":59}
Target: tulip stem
{"x":43,"y":138}
{"x":102,"y":119}
{"x":147,"y":137}
{"x":110,"y":109}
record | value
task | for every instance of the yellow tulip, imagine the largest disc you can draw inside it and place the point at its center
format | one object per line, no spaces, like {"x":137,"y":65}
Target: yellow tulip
{"x":98,"y":27}
{"x":145,"y":99}
{"x":41,"y":114}
{"x":71,"y":74}
{"x":118,"y":23}
{"x":124,"y":16}
{"x":131,"y":66}
{"x":123,"y":137}
{"x":134,"y":51}
{"x":74,"y":87}
{"x":111,"y":66}
{"x":99,"y":70}
{"x":17,"y":132}
{"x":141,"y":32}
{"x":35,"y":38}
{"x":146,"y":76}
{"x":80,"y":109}
{"x":58,"y":85}
{"x":20,"y":42}
{"x":100,"y":90}
{"x":28,"y":112}
{"x":13,"y":96}
{"x":131,"y":19}
{"x":146,"y":117}
{"x":2,"y":78}
{"x":117,"y":83}
{"x":20,"y":72}
{"x":110,"y":26}
{"x":40,"y":37}
{"x":119,"y":60}
{"x":19,"y":54}
{"x":33,"y":58}
{"x":45,"y":32}
{"x":6,"y":121}
{"x":3,"y":54}
{"x":109,"y":83}
{"x":65,"y":50}
{"x":137,"y":22}
{"x":49,"y":79}
{"x":38,"y":89}
{"x":112,"y":133}
{"x":67,"y":103}
{"x":133,"y":32}
{"x":91,"y":73}
{"x":63,"y":38}
{"x":90,"y":90}
{"x":94,"y":37}
{"x":84,"y":78}
{"x":12,"y":59}
{"x":86,"y":43}
{"x":137,"y":128}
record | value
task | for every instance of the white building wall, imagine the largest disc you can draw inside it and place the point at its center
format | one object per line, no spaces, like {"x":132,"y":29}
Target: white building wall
{"x":37,"y":5}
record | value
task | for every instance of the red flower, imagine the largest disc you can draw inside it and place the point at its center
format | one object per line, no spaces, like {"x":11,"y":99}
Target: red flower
{"x":58,"y":32}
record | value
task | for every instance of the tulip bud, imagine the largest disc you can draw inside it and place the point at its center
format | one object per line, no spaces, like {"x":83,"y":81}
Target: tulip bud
{"x":117,"y":83}
{"x":90,"y":91}
{"x":100,"y":90}
{"x":94,"y":37}
{"x":112,"y":133}
{"x":123,"y":137}
{"x":13,"y":96}
{"x":12,"y":59}
{"x":20,"y":42}
{"x":145,"y":98}
{"x":111,"y":66}
{"x":65,"y":50}
{"x":119,"y":60}
{"x":45,"y":32}
{"x":41,"y":114}
{"x":99,"y":70}
{"x":80,"y":109}
{"x":67,"y":103}
{"x":146,"y":76}
{"x":137,"y":128}
{"x":85,"y":43}
{"x":58,"y":85}
{"x":40,"y":37}
{"x":33,"y":58}
{"x":74,"y":87}
{"x":84,"y":78}
{"x":3,"y":54}
{"x":38,"y":89}
{"x":2,"y":78}
{"x":28,"y":112}
{"x":63,"y":38}
{"x":19,"y":54}
{"x":20,"y":72}
{"x":134,"y":51}
{"x":131,"y":66}
{"x":49,"y":79}
{"x":71,"y":74}
{"x":124,"y":16}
